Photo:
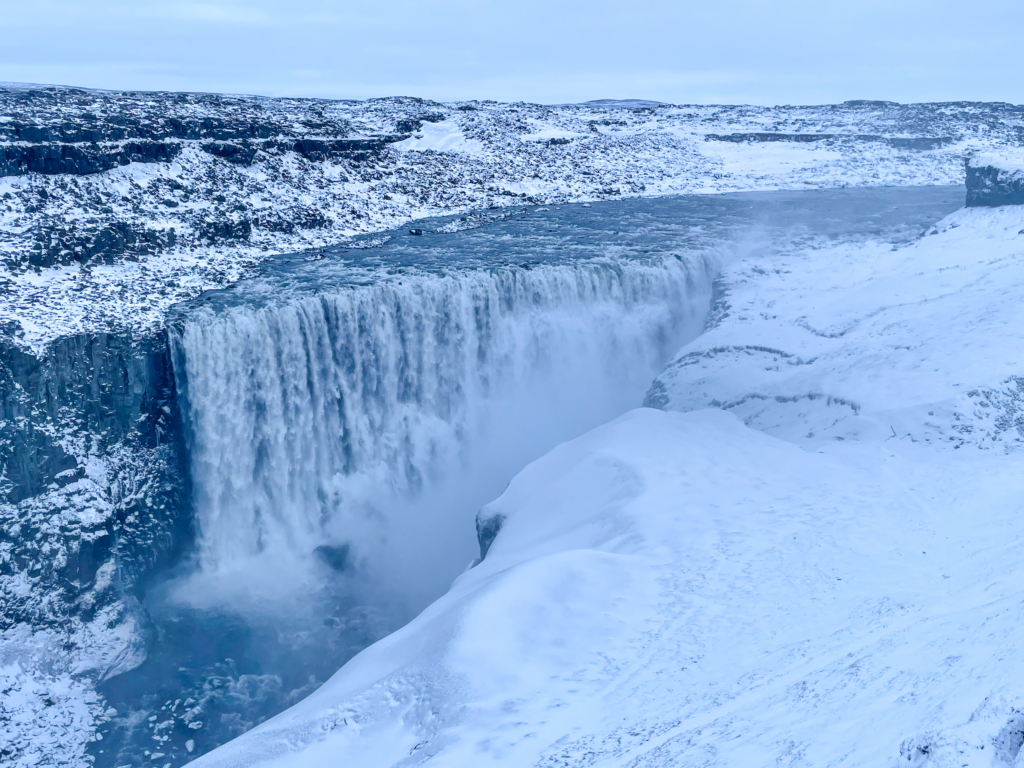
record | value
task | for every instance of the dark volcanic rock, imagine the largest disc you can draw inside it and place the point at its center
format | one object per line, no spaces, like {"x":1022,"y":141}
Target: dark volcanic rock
{"x":993,"y":181}
{"x":107,"y":243}
{"x":291,"y":219}
{"x":238,"y":230}
{"x":359,"y":150}
{"x":240,"y":154}
{"x":79,"y":159}
{"x":409,"y":125}
{"x":488,"y":526}
{"x":104,"y":383}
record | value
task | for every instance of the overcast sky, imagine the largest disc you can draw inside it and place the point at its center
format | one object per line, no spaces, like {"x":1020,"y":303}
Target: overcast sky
{"x":548,"y":51}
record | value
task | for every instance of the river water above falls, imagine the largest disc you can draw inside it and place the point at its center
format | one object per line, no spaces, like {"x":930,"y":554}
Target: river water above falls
{"x":347,"y":413}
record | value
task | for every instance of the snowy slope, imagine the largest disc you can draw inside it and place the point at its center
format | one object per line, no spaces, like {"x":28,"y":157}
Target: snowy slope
{"x":869,"y":340}
{"x":822,"y":568}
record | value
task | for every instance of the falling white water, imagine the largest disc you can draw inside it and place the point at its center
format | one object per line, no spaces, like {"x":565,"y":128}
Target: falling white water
{"x":304,"y":417}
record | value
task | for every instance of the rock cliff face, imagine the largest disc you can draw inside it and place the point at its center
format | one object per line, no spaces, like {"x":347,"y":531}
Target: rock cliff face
{"x":995,"y":179}
{"x":91,"y":501}
{"x":66,"y":413}
{"x":916,"y":142}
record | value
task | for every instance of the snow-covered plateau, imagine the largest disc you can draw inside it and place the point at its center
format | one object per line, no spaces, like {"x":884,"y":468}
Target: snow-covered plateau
{"x":214,"y":320}
{"x":114,"y":206}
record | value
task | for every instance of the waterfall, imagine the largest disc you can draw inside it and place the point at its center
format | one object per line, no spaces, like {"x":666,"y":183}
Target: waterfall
{"x":301,"y":416}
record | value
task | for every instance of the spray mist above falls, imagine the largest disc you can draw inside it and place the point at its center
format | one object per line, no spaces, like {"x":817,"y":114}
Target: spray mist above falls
{"x":307,"y":421}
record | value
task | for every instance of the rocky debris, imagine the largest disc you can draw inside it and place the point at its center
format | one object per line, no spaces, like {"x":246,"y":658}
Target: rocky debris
{"x":898,"y":142}
{"x":226,"y":230}
{"x":94,"y":243}
{"x":995,"y":179}
{"x":46,"y":718}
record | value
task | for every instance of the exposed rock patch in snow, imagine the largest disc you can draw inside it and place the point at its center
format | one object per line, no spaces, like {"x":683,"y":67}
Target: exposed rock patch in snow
{"x":995,"y":178}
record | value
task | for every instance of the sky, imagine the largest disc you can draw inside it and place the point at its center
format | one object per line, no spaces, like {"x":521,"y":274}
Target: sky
{"x":545,"y":51}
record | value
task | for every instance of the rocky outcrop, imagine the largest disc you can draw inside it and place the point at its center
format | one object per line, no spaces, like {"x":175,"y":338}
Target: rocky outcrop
{"x":488,"y":526}
{"x":45,"y":114}
{"x":995,"y":179}
{"x":98,"y":383}
{"x":242,"y":153}
{"x":54,"y":131}
{"x":85,"y":159}
{"x":122,"y":127}
{"x":103,"y":244}
{"x":81,"y":160}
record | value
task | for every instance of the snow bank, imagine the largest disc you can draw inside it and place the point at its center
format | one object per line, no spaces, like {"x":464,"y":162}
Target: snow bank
{"x":835,"y":581}
{"x":860,"y":341}
{"x":1011,"y":163}
{"x":444,"y":136}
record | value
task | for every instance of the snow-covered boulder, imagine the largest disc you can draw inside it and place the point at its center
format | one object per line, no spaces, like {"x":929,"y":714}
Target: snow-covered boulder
{"x":995,"y":178}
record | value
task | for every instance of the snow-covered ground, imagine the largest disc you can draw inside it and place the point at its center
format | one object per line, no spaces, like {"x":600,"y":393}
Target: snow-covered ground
{"x":203,"y":220}
{"x":812,"y":558}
